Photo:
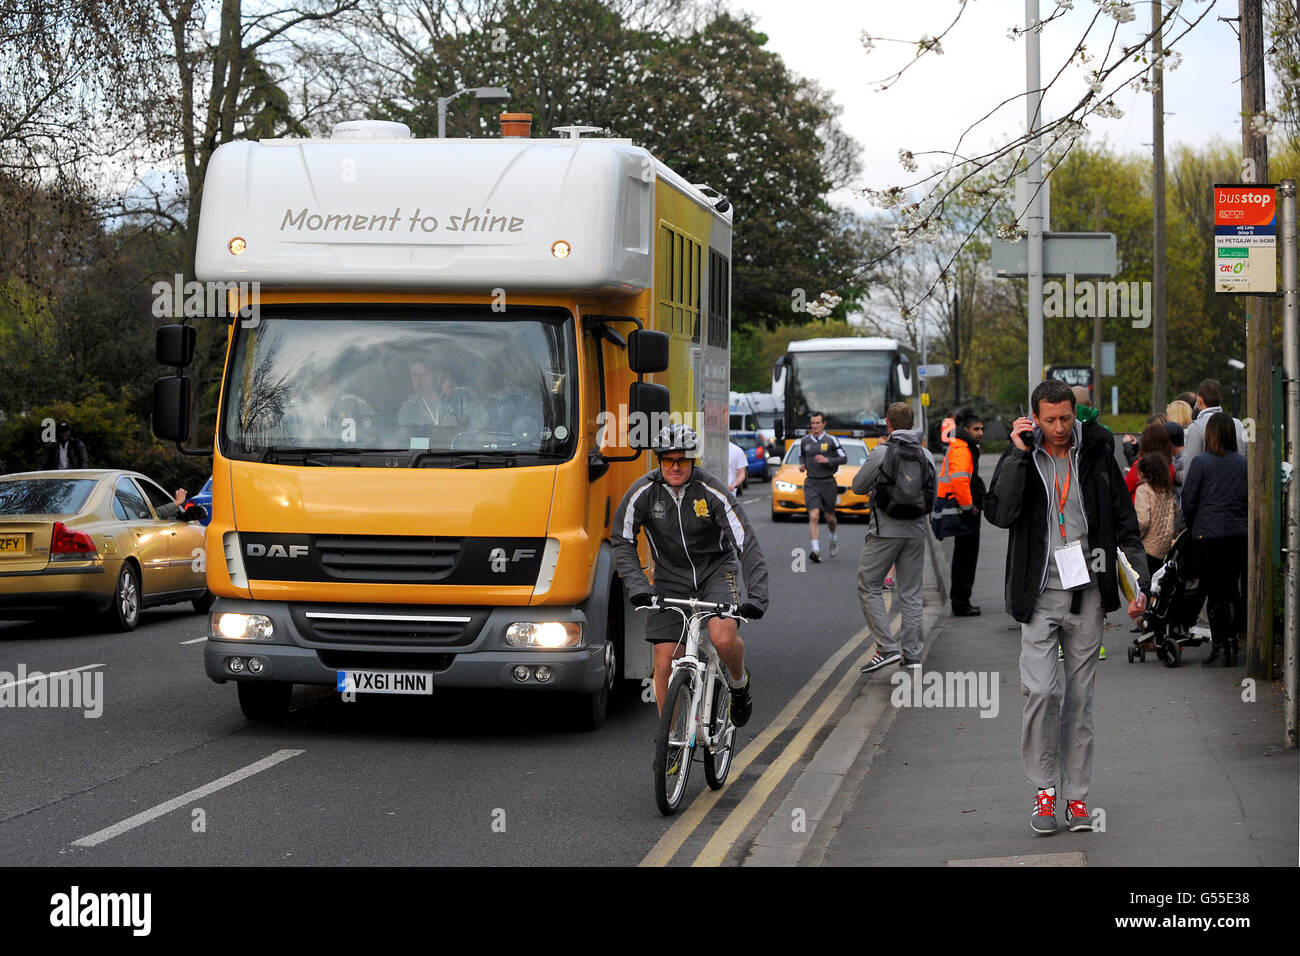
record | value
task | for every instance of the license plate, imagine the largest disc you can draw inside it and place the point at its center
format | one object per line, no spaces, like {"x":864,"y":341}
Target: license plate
{"x":13,"y":544}
{"x":385,"y":682}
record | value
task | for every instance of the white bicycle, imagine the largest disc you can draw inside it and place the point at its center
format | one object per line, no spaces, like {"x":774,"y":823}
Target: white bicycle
{"x":698,"y":686}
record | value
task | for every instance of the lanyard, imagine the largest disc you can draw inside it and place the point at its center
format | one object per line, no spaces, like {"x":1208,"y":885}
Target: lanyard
{"x":1061,"y":495}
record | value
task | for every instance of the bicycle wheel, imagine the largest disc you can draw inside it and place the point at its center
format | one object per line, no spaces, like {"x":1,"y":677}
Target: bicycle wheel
{"x":718,"y":763}
{"x":674,"y":745}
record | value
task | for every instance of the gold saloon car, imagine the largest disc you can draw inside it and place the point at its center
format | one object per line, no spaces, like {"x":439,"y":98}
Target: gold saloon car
{"x":787,"y":484}
{"x":97,"y":540}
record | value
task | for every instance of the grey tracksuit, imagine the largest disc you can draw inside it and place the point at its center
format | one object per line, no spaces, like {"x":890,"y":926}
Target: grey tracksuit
{"x":895,"y":543}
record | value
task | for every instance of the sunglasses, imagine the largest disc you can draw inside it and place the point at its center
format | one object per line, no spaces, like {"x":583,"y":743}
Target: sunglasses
{"x":673,"y":462}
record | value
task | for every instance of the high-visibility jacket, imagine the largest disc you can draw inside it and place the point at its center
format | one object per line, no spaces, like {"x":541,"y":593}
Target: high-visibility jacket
{"x":955,"y":475}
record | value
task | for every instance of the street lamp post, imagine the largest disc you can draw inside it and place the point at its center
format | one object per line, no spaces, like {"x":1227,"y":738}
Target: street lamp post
{"x":484,"y":94}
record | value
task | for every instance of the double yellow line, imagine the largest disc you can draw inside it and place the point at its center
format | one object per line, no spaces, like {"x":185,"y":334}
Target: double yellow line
{"x":734,"y":825}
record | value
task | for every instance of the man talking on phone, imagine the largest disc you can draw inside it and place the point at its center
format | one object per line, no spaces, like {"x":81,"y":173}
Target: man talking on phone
{"x":1059,"y":491}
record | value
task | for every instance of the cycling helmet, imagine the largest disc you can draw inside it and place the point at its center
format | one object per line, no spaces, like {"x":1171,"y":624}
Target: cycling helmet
{"x":678,"y":438}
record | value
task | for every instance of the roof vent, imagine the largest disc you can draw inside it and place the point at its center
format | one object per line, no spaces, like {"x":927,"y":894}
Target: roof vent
{"x":575,"y":132}
{"x":370,"y":129}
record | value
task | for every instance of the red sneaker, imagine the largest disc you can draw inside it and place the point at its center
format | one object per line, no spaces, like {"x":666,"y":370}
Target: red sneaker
{"x":1043,"y":819}
{"x":1076,"y":815}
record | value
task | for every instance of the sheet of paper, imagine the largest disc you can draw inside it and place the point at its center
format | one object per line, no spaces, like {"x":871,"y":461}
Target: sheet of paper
{"x":1071,"y":565}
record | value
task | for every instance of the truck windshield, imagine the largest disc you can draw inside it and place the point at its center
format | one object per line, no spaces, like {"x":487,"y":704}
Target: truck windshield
{"x":451,"y":386}
{"x":849,"y":388}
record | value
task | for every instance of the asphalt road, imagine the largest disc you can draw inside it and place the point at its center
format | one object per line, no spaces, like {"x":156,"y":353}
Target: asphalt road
{"x":171,"y":773}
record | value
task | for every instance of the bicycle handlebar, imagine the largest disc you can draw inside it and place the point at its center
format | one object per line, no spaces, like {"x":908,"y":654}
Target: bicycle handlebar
{"x":659,"y":603}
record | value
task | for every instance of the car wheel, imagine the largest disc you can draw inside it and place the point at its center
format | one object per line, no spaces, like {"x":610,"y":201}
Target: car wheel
{"x":204,"y":604}
{"x":124,"y":613}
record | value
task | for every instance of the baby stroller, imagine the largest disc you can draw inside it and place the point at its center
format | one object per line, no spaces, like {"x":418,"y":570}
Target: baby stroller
{"x":1173,"y":607}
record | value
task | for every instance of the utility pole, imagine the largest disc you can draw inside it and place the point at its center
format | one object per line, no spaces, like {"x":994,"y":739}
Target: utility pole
{"x":1259,"y":371}
{"x":1291,"y":519}
{"x":956,"y":348}
{"x":1034,"y":214}
{"x":1159,"y":391}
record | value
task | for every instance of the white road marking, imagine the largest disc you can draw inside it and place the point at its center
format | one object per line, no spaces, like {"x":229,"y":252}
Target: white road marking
{"x":37,"y":677}
{"x":198,"y":793}
{"x":195,"y":641}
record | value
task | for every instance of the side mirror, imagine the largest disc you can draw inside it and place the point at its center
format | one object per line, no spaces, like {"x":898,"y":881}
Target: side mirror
{"x":779,"y":427}
{"x":171,"y":408}
{"x":174,"y":345}
{"x":647,"y":351}
{"x":649,"y":403}
{"x":596,"y":466}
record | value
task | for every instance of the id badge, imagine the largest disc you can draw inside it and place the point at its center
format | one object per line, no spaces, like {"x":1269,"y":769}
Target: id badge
{"x":1072,"y":566}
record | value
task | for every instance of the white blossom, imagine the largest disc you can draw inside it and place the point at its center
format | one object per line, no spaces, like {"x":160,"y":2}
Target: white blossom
{"x":1263,"y":123}
{"x":1010,"y":232}
{"x":1013,"y":33}
{"x":907,"y":160}
{"x":868,"y":44}
{"x":1065,"y":4}
{"x":930,"y":44}
{"x":1108,"y":110}
{"x":1119,"y":10}
{"x":1095,"y":83}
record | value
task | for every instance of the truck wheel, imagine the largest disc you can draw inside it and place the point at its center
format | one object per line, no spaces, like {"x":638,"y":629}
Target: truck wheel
{"x":264,"y":700}
{"x":592,"y":708}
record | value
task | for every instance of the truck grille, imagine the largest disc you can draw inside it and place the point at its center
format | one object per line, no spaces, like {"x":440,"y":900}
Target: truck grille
{"x":389,"y":625}
{"x":388,"y":560}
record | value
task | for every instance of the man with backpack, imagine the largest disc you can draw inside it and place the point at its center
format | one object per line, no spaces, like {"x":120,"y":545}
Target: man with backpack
{"x":900,"y":477}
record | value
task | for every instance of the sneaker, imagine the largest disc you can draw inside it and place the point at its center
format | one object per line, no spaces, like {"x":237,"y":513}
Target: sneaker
{"x":835,"y":547}
{"x":815,"y":556}
{"x":889,"y":583}
{"x":742,"y":705}
{"x":1060,"y":652}
{"x":881,"y":660}
{"x":1076,"y":815}
{"x":1101,"y":656}
{"x":907,"y":663}
{"x":1043,"y":819}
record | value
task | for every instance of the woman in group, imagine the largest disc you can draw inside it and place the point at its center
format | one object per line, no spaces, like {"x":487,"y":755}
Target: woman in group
{"x":1214,"y":506}
{"x":1155,"y":438}
{"x":1154,"y":503}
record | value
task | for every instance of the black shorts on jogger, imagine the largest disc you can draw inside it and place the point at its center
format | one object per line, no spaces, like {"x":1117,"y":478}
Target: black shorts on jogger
{"x":819,"y":494}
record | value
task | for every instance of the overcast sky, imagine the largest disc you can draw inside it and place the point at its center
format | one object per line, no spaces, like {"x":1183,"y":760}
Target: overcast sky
{"x":933,"y":103}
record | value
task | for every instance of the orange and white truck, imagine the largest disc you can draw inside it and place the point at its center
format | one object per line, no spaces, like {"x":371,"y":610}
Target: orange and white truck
{"x":444,"y":359}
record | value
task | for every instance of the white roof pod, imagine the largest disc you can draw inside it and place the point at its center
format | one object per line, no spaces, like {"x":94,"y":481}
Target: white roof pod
{"x":377,"y":209}
{"x":846,"y":344}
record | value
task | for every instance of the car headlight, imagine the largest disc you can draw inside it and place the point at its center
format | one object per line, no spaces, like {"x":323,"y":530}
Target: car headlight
{"x":547,"y":634}
{"x":240,"y":627}
{"x":786,"y":487}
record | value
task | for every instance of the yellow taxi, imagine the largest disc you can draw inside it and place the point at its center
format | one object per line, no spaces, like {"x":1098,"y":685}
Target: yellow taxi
{"x":787,"y":484}
{"x":97,"y":540}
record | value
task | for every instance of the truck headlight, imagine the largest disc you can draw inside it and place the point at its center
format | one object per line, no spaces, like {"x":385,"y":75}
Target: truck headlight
{"x":548,"y":634}
{"x":785,"y":487}
{"x":240,"y":627}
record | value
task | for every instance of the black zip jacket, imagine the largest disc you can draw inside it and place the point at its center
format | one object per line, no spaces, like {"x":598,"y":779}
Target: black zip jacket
{"x":1018,"y":500}
{"x":691,"y":541}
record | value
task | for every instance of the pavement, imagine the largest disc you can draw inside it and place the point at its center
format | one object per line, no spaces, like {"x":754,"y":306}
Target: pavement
{"x":1189,"y":770}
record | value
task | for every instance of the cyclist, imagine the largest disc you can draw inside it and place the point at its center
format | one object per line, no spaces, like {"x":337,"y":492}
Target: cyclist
{"x":696,"y":531}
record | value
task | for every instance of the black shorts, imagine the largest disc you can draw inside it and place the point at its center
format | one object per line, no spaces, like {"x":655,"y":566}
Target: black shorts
{"x":819,"y":494}
{"x":669,"y":627}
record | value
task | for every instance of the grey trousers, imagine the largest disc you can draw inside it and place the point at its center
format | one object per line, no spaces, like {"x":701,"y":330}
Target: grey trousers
{"x":878,"y":556}
{"x":1056,"y":733}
